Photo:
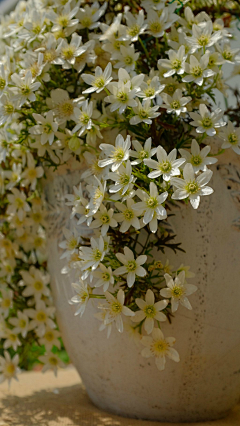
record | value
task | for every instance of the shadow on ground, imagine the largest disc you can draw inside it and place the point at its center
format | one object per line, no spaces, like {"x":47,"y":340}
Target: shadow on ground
{"x":71,"y":406}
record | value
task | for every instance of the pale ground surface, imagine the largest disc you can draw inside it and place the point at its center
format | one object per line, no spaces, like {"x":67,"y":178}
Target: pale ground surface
{"x":43,"y":400}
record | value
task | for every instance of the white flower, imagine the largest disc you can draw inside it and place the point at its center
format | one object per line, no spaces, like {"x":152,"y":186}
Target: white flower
{"x":122,"y":96}
{"x":231,"y":137}
{"x":51,"y":362}
{"x":9,"y":367}
{"x":83,"y":117}
{"x":12,"y":340}
{"x":89,"y":16}
{"x":135,"y":81}
{"x":6,"y":301}
{"x":132,"y":266}
{"x":167,"y":165}
{"x":36,"y":283}
{"x":105,"y":277}
{"x":63,"y":19}
{"x":158,"y":24}
{"x":100,"y":80}
{"x":20,"y":323}
{"x":149,"y":311}
{"x":50,"y":339}
{"x":69,"y":52}
{"x":104,"y":218}
{"x":178,"y":291}
{"x":17,"y":203}
{"x":151,"y":206}
{"x":116,"y":309}
{"x":31,"y":173}
{"x":144,"y":112}
{"x":176,"y":103}
{"x":135,"y":26}
{"x":8,"y":105}
{"x":93,"y":168}
{"x":197,"y":70}
{"x":46,"y":128}
{"x":198,"y":158}
{"x":126,"y":58}
{"x":81,"y":298}
{"x":176,"y":62}
{"x":123,"y":178}
{"x":14,"y":175}
{"x":207,"y":121}
{"x":202,"y":36}
{"x":159,"y":347}
{"x":142,"y":152}
{"x":116,"y":154}
{"x":128,"y":216}
{"x":3,"y":79}
{"x":41,"y":317}
{"x":97,"y":193}
{"x":24,"y":88}
{"x":228,"y":54}
{"x":192,"y":187}
{"x":62,"y":105}
{"x":153,"y":4}
{"x":70,"y":243}
{"x":92,"y":255}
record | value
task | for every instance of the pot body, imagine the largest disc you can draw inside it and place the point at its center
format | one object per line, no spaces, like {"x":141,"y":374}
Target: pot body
{"x":206,"y":383}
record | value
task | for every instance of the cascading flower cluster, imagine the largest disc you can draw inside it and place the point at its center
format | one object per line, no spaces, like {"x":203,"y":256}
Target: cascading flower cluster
{"x":129,"y":90}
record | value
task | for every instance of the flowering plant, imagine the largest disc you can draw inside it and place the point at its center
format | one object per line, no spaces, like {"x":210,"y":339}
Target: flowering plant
{"x":72,"y":75}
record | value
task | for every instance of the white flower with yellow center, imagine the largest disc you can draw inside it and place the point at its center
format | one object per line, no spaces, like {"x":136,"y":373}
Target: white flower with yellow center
{"x":46,"y":129}
{"x":158,"y":24}
{"x":93,"y":255}
{"x":122,"y":96}
{"x":115,"y":309}
{"x":149,"y":311}
{"x":20,"y":324}
{"x":62,"y":106}
{"x":51,"y":362}
{"x":93,"y":168}
{"x":83,"y":291}
{"x":99,"y":81}
{"x":70,"y":244}
{"x":144,"y":112}
{"x":176,"y":103}
{"x":31,"y":173}
{"x":97,"y":193}
{"x":6,"y":302}
{"x":12,"y":340}
{"x":126,"y":58}
{"x":176,"y":62}
{"x":68,"y":52}
{"x":41,"y":317}
{"x":206,"y":121}
{"x":159,"y":347}
{"x":135,"y":26}
{"x":198,"y":158}
{"x":17,"y":203}
{"x":203,"y":36}
{"x":128,"y":216}
{"x":177,"y":290}
{"x":9,"y":367}
{"x":105,"y":277}
{"x":104,"y":218}
{"x":89,"y":16}
{"x":167,"y":165}
{"x":197,"y":70}
{"x":191,"y":187}
{"x":8,"y":105}
{"x":35,"y":282}
{"x":116,"y":154}
{"x":151,"y":206}
{"x":63,"y":20}
{"x":24,"y":88}
{"x":149,"y":90}
{"x":50,"y":339}
{"x":123,"y":178}
{"x":131,"y":266}
{"x":83,"y":117}
{"x":142,"y":152}
{"x":231,"y":137}
{"x":227,"y":53}
{"x":14,"y":176}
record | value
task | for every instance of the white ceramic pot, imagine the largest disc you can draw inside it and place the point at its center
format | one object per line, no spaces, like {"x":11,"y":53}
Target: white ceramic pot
{"x":206,"y":383}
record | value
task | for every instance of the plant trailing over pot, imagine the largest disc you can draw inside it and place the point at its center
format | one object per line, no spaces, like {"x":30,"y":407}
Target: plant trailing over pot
{"x":75,"y":76}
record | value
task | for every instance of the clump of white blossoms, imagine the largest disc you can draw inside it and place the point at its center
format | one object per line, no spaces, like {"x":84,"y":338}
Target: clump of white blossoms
{"x":130,"y":96}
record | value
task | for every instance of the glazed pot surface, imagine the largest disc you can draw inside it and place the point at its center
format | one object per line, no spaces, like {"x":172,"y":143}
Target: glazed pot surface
{"x":206,"y":383}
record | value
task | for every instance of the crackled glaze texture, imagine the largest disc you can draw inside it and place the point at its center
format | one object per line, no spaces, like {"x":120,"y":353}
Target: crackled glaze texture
{"x":206,"y":383}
